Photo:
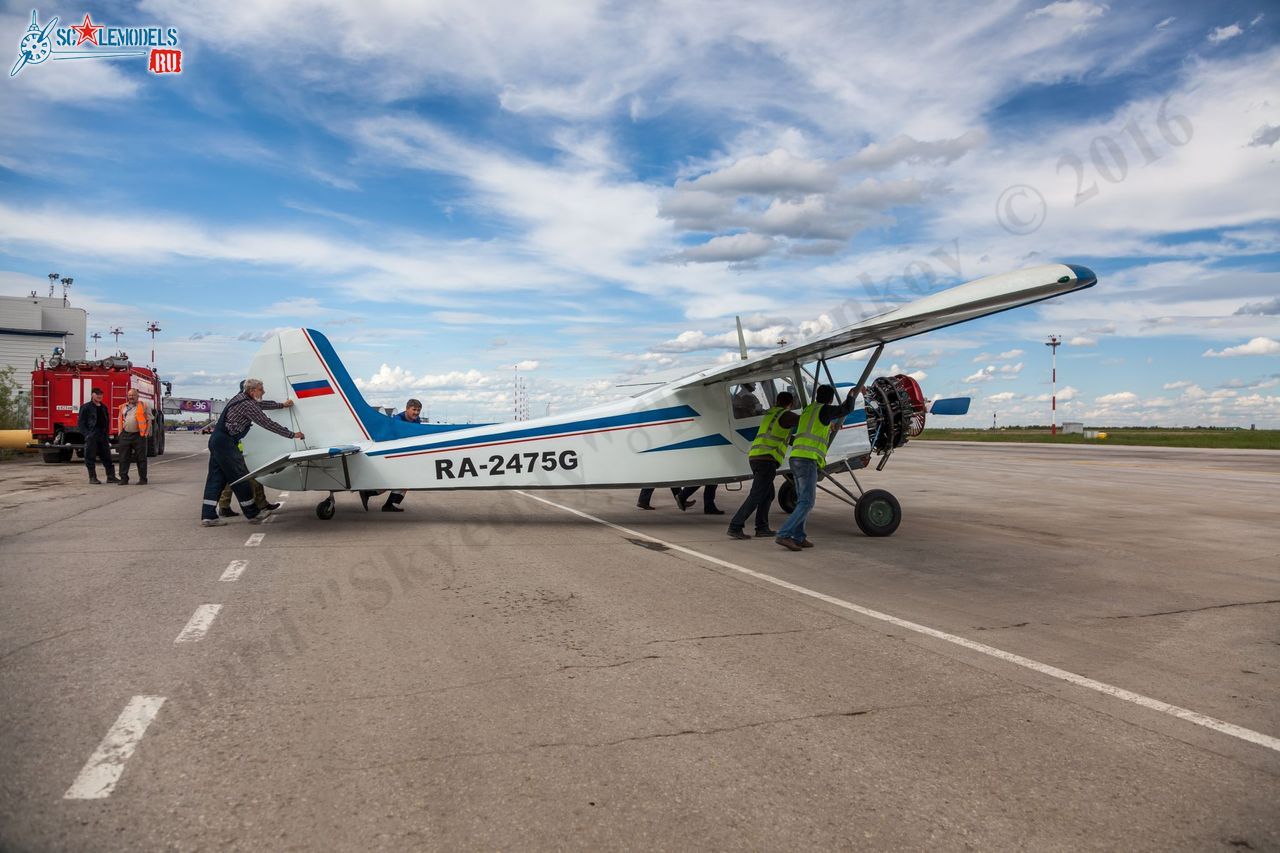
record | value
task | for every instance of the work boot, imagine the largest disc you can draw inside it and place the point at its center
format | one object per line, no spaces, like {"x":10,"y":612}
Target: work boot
{"x":738,"y":534}
{"x":211,"y":522}
{"x":142,"y":482}
{"x":764,"y":531}
{"x":227,"y":512}
{"x":806,"y":544}
{"x":124,"y":481}
{"x":260,"y":517}
{"x":789,"y":544}
{"x":95,"y":481}
{"x":390,"y":507}
{"x":685,"y":503}
{"x":111,"y":478}
{"x":643,"y":506}
{"x":271,"y":506}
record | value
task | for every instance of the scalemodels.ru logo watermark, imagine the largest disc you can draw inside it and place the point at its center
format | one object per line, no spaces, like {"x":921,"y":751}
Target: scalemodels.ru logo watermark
{"x":98,"y":41}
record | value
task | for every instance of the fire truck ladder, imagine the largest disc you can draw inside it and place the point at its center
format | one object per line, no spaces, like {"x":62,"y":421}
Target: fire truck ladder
{"x":41,"y":411}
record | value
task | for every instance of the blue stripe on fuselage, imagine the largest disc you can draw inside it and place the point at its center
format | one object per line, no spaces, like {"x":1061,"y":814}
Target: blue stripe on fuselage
{"x":593,"y":424}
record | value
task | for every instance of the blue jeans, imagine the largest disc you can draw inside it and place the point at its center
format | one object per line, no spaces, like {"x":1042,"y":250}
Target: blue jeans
{"x":805,"y":472}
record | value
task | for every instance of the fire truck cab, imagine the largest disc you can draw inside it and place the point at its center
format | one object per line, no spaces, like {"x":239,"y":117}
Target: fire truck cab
{"x":59,"y":387}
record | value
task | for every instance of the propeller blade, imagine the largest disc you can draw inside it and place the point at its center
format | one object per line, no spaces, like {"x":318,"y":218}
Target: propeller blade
{"x":950,"y":406}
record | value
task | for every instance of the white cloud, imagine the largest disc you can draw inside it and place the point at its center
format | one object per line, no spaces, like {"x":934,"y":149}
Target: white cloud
{"x":1009,"y":371}
{"x":1002,"y":397}
{"x":1082,"y":341}
{"x":775,"y":173}
{"x":528,"y":364}
{"x":1257,"y":346}
{"x":983,"y":375}
{"x":732,"y":247}
{"x":1221,"y":34}
{"x":1174,"y":386}
{"x":1122,"y":398}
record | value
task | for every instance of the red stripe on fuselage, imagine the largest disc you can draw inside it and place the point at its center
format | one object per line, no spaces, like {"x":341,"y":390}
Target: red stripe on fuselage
{"x":333,"y":383}
{"x":534,"y":438}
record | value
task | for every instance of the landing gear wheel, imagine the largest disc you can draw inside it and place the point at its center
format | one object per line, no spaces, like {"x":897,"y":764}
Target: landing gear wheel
{"x":787,"y":496}
{"x":326,"y":508}
{"x":877,"y":513}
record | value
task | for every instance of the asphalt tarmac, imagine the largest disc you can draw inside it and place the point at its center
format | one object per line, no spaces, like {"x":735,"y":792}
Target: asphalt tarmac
{"x":1061,"y":648}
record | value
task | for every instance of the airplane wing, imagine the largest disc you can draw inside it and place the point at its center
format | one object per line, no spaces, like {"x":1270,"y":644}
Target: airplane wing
{"x":298,"y":457}
{"x":958,"y":304}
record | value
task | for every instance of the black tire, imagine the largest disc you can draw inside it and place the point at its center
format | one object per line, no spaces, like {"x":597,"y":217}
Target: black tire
{"x":152,"y":446}
{"x":63,"y":454}
{"x":160,"y":441}
{"x":52,"y":457}
{"x":877,"y":513}
{"x":325,"y":509}
{"x":787,"y":496}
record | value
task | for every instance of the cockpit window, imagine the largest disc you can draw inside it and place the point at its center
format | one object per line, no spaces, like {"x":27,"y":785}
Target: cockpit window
{"x":750,"y":399}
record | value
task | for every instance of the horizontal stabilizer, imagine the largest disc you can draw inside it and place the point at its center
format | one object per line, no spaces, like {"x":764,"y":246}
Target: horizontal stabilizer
{"x":298,"y":457}
{"x":950,"y":406}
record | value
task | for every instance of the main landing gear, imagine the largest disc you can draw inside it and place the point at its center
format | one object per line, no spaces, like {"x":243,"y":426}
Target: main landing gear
{"x":876,"y":511}
{"x":326,"y":508}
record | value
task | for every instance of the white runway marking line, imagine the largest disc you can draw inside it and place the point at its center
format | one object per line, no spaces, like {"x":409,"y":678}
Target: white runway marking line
{"x":100,"y":774}
{"x":1198,"y":719}
{"x":254,"y":541}
{"x":199,"y":623}
{"x":234,"y":570}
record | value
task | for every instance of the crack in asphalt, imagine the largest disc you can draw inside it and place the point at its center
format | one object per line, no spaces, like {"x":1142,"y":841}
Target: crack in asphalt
{"x":608,"y":665}
{"x":745,"y":634}
{"x":369,"y":697}
{"x":653,"y":736}
{"x":10,"y":654}
{"x":1195,"y":609}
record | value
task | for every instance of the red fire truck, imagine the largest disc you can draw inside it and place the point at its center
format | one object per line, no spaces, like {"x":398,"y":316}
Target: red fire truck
{"x":60,"y":387}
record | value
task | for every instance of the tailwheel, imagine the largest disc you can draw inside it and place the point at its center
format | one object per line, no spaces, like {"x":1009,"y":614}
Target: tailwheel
{"x":326,"y":508}
{"x":877,"y":513}
{"x":787,"y":496}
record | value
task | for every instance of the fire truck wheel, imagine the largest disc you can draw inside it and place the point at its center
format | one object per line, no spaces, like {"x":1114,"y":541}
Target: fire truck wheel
{"x":61,"y":455}
{"x":160,"y":443}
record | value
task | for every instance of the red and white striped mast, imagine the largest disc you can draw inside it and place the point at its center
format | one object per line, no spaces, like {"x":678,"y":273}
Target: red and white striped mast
{"x":1053,"y":343}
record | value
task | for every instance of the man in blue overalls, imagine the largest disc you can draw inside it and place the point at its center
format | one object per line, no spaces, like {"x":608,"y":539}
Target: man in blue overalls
{"x":226,"y":462}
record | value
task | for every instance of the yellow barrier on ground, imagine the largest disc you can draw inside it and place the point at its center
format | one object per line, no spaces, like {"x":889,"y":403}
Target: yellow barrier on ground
{"x":14,"y":439}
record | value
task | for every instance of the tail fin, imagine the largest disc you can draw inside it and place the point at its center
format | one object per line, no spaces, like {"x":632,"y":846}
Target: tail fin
{"x":301,"y":365}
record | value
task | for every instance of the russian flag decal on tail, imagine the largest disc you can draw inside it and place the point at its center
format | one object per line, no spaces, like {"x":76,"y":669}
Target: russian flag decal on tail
{"x":319,"y":388}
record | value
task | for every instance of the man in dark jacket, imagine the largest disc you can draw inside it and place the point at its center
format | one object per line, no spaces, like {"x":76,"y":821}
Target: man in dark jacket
{"x":94,"y":424}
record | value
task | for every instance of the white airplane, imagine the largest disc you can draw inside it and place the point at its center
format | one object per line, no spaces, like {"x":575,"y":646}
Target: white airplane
{"x":681,"y":432}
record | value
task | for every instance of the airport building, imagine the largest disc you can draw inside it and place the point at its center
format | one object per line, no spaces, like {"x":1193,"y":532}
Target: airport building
{"x":31,"y":326}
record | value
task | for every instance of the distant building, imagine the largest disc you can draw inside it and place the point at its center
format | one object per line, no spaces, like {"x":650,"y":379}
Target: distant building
{"x":1072,"y":428}
{"x":31,"y":326}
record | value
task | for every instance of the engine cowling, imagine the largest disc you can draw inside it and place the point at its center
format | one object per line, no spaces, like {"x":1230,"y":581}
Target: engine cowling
{"x":895,"y":412}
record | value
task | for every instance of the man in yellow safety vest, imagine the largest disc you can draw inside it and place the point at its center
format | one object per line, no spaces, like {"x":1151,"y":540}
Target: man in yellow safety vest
{"x":767,"y":452}
{"x":808,"y":456}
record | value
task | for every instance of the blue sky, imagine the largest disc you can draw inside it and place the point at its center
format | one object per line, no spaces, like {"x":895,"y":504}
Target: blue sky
{"x":592,"y":191}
